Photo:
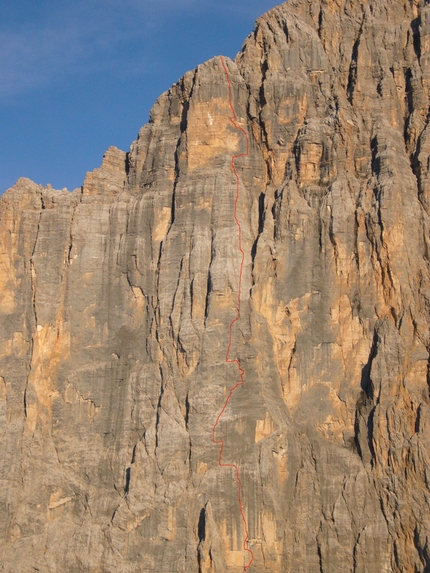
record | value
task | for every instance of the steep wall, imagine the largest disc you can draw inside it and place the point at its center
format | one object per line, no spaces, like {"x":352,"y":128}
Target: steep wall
{"x":116,"y":302}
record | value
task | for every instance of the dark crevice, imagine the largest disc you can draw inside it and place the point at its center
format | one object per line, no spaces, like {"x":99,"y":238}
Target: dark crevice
{"x":376,"y":160}
{"x":415,"y":163}
{"x":352,"y":74}
{"x":333,"y":240}
{"x":173,"y":204}
{"x":127,"y":164}
{"x":320,"y":234}
{"x":69,"y":253}
{"x":261,"y":213}
{"x":416,"y":169}
{"x":127,"y":481}
{"x":320,"y":559}
{"x":25,"y":402}
{"x":276,"y":211}
{"x":370,"y":430}
{"x":261,"y":219}
{"x":261,"y":95}
{"x":201,"y":528}
{"x":366,"y":380}
{"x":409,"y":90}
{"x":418,"y":420}
{"x":365,"y":406}
{"x":296,"y":150}
{"x":201,"y":533}
{"x":184,"y":115}
{"x":320,"y":21}
{"x":415,"y":27}
{"x":208,"y":292}
{"x":156,"y":306}
{"x":187,"y":411}
{"x":428,"y":375}
{"x":209,"y":280}
{"x":413,"y":156}
{"x":262,"y":102}
{"x":286,"y":32}
{"x":70,"y":249}
{"x":133,"y":455}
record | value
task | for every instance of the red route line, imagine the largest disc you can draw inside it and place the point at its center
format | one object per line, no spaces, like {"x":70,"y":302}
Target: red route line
{"x":227,"y":356}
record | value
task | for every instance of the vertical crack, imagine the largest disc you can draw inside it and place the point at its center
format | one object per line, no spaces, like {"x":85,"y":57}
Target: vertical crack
{"x":32,"y":276}
{"x":353,"y":67}
{"x":261,"y":220}
{"x":183,"y":129}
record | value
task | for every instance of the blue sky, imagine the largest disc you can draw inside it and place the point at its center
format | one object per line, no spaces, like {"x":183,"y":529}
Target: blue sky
{"x":77,"y":76}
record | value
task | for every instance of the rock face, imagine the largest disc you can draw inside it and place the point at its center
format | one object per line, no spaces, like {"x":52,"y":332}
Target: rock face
{"x":116,"y":302}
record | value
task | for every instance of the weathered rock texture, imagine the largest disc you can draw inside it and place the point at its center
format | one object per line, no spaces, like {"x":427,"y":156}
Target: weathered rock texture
{"x":116,"y":301}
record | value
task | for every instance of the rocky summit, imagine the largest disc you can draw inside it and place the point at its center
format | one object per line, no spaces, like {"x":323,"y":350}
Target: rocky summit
{"x":214,"y":355}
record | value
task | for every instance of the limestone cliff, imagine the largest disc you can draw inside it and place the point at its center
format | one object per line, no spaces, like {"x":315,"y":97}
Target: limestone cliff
{"x":116,"y":303}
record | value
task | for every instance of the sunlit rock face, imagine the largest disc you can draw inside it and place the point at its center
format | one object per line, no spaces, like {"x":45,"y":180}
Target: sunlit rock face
{"x":116,"y":302}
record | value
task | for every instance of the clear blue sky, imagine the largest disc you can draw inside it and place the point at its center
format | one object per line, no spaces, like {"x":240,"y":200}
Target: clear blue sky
{"x":77,"y":76}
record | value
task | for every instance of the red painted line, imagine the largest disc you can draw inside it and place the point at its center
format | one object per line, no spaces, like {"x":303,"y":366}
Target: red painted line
{"x":230,"y":338}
